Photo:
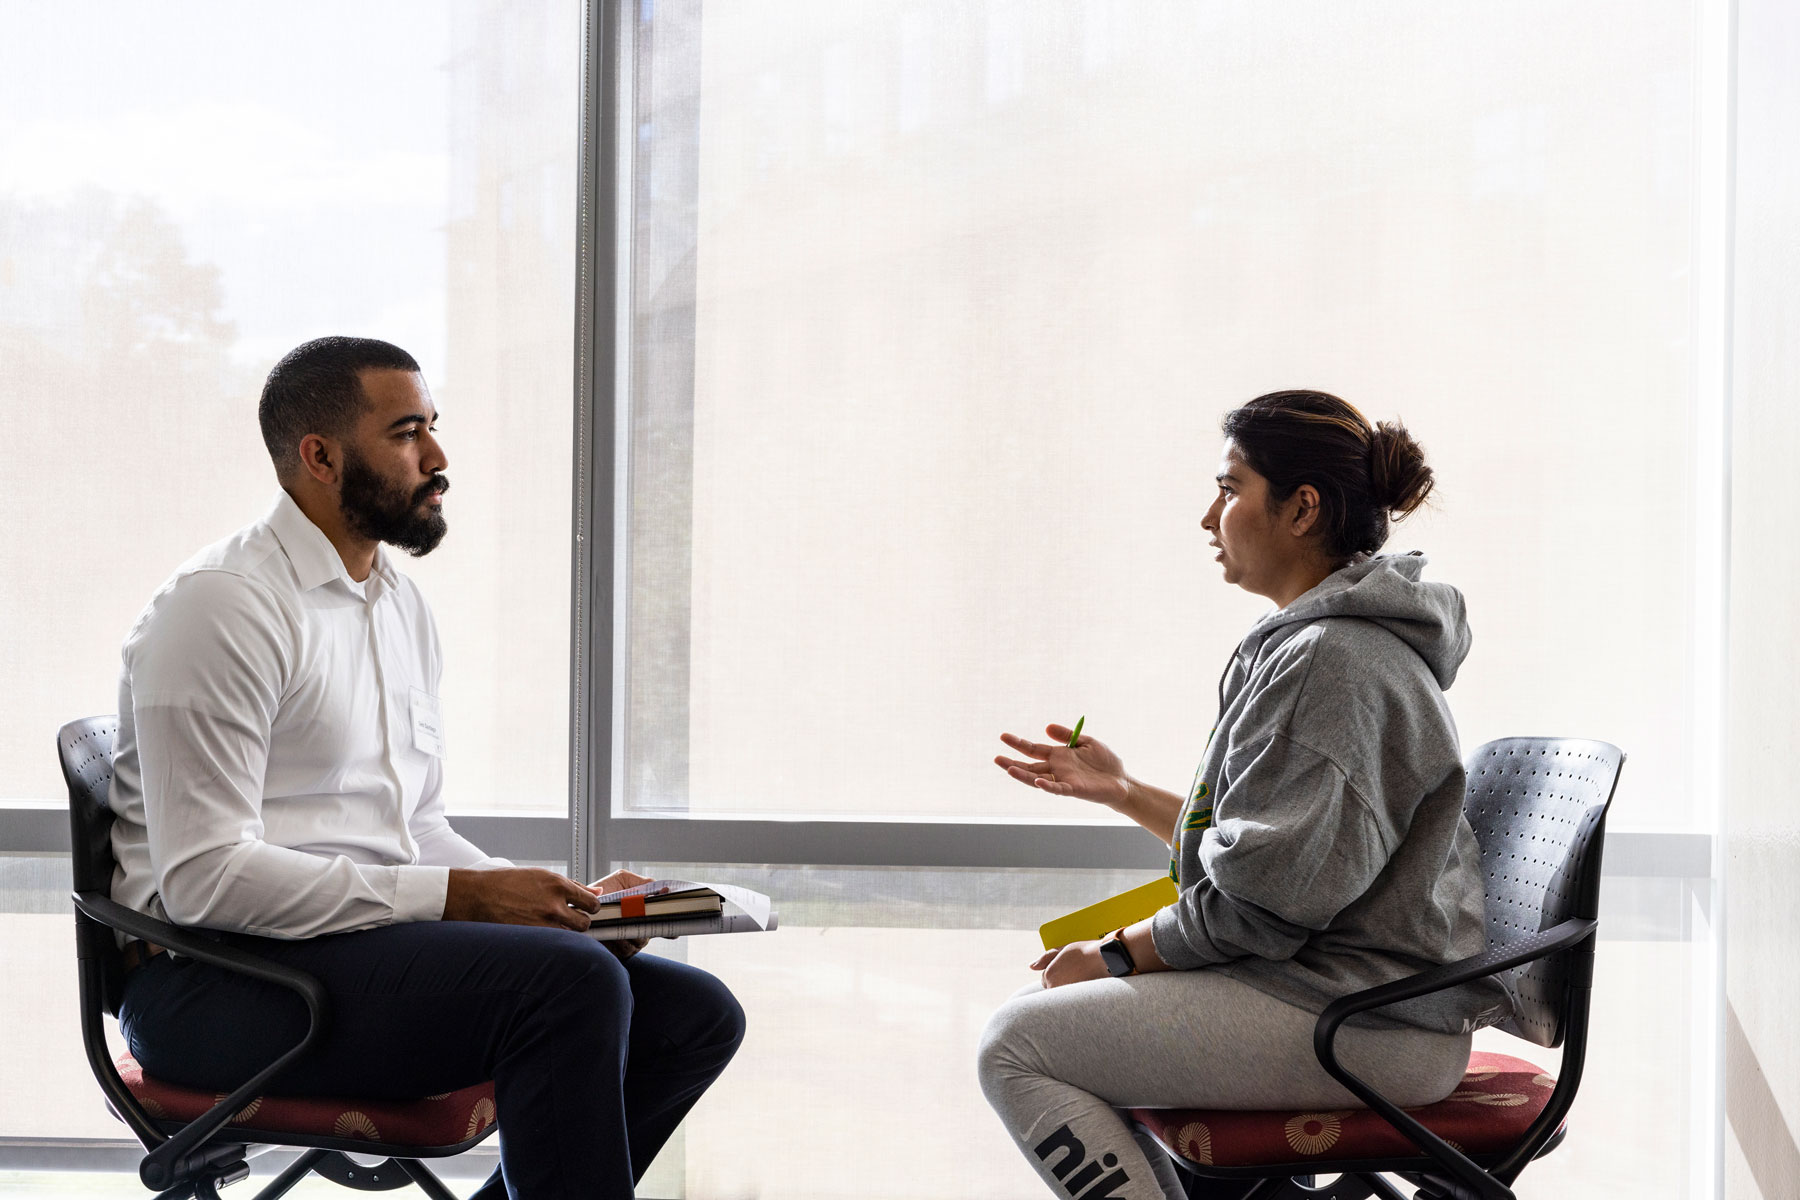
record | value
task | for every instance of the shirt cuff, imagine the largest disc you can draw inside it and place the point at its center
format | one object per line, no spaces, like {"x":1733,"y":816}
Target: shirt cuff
{"x":1171,"y":944}
{"x":419,"y":893}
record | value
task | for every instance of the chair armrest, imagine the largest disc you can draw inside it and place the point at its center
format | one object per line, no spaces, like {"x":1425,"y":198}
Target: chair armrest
{"x":166,"y":1164}
{"x":185,"y":941}
{"x":1464,"y":1172}
{"x":1436,"y":979}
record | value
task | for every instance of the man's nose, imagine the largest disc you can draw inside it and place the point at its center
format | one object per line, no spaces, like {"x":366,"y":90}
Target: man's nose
{"x":434,"y":459}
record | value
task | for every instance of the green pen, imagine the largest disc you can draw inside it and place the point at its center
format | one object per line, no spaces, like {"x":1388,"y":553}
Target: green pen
{"x":1076,"y":736}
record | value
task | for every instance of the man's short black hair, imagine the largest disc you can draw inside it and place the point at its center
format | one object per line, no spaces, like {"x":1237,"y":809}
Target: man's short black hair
{"x":316,"y":389}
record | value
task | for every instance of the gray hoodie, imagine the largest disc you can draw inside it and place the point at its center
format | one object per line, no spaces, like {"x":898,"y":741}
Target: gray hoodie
{"x":1322,"y":848}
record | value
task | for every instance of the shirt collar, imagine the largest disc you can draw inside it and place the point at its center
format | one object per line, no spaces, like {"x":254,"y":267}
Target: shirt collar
{"x":384,"y":566}
{"x":314,"y":558}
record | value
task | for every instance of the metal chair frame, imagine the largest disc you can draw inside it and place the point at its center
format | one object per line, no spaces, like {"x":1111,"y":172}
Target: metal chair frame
{"x":196,"y":1158}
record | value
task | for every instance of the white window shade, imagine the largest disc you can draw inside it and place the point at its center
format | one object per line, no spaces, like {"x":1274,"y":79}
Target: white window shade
{"x":941,"y":362}
{"x":177,"y":210}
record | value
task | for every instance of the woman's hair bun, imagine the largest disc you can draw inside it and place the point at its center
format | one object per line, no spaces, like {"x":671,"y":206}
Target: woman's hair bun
{"x":1399,"y":479}
{"x":1366,"y":476}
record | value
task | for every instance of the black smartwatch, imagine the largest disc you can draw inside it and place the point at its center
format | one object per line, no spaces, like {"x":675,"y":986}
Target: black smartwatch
{"x":1117,"y":956}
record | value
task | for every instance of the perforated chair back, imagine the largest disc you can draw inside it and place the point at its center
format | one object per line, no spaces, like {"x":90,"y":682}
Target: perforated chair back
{"x":85,"y":748}
{"x":1538,"y":806}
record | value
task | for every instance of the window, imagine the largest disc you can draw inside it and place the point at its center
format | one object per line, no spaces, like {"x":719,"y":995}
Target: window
{"x":179,"y":212}
{"x":176,"y":212}
{"x":924,"y":399}
{"x":911,"y":398}
{"x":898,"y":335}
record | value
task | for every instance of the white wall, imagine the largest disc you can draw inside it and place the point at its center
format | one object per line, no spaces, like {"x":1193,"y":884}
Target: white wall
{"x":1761,"y":820}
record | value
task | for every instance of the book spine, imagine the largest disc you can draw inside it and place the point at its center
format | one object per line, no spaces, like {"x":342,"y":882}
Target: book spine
{"x":611,"y":915}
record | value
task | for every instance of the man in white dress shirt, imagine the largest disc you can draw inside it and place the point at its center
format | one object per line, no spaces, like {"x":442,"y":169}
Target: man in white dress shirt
{"x":278,"y":779}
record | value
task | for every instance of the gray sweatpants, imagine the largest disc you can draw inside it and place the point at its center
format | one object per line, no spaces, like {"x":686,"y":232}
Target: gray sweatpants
{"x":1060,"y":1064}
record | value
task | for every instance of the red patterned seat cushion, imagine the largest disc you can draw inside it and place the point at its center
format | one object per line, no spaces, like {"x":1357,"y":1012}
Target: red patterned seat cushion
{"x":447,"y":1120}
{"x":1498,"y":1099}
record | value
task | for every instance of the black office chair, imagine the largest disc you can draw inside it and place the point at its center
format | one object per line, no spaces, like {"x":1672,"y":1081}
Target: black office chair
{"x":199,"y":1141}
{"x":1538,"y":806}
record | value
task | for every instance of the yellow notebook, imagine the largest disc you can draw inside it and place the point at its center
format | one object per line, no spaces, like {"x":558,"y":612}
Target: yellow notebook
{"x":1112,"y":913}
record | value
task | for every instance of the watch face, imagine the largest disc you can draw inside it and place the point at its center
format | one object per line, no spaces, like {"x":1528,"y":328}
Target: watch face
{"x":1117,"y":958}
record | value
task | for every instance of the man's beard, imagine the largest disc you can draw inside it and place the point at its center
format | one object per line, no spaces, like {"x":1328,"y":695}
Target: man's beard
{"x":383,"y":512}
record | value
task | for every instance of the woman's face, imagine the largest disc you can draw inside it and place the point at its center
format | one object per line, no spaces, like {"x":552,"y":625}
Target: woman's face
{"x":1257,"y":548}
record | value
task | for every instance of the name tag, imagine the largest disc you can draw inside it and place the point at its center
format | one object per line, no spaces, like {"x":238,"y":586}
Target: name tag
{"x":427,"y":724}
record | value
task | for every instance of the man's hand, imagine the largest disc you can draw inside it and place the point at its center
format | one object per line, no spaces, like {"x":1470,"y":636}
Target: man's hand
{"x":1074,"y":963}
{"x":618,"y":881}
{"x":519,"y":896}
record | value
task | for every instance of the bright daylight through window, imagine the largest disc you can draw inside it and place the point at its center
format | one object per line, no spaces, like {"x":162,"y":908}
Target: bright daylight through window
{"x":929,"y":315}
{"x":174,"y":216}
{"x":937,"y":309}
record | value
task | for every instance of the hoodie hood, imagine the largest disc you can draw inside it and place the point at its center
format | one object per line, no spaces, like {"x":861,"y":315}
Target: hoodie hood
{"x":1429,"y":617}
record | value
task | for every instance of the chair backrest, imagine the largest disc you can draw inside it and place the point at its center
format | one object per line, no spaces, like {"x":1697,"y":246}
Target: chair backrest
{"x":86,"y":750}
{"x":1538,"y":806}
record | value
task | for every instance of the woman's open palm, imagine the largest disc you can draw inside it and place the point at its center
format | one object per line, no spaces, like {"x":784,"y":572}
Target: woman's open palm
{"x":1088,"y":769}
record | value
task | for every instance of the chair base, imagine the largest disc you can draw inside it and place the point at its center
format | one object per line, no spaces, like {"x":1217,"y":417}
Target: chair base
{"x":1348,"y":1186}
{"x":385,"y":1176}
{"x":1344,"y":1187}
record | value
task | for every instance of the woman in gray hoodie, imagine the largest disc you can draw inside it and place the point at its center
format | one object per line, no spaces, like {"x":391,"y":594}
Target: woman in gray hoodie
{"x":1321,"y":848}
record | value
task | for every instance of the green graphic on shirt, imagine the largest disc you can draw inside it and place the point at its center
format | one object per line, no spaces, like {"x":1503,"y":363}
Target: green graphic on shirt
{"x":1196,"y":814}
{"x":1200,"y":814}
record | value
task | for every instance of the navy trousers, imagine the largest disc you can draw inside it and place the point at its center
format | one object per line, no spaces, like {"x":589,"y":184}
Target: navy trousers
{"x":594,"y":1061}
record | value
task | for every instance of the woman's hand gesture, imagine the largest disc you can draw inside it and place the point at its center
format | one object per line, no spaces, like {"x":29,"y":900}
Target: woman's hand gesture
{"x":1087,"y":769}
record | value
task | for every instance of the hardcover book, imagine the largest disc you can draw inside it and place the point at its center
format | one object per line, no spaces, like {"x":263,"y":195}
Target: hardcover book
{"x":680,"y":908}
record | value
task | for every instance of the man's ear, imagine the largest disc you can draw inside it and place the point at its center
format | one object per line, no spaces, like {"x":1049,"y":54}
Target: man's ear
{"x":1306,"y":509}
{"x":319,"y":458}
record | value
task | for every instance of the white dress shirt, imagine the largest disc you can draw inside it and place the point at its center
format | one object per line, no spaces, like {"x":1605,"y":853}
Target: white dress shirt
{"x":278,"y":769}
